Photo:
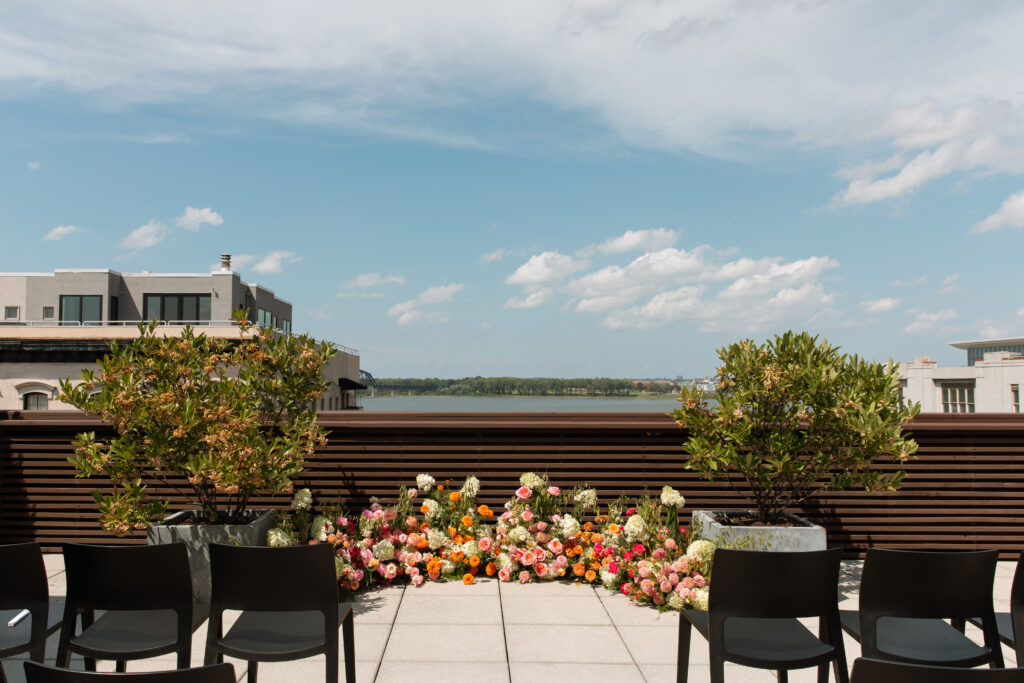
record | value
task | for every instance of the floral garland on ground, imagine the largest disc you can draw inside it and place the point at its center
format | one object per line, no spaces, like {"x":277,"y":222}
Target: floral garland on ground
{"x":437,"y":533}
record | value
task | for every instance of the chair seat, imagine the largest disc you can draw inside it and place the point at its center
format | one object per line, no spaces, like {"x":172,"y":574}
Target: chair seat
{"x":18,"y":637}
{"x":764,"y":640}
{"x":133,"y":632}
{"x":1004,"y":623}
{"x":919,"y":640}
{"x":276,"y":634}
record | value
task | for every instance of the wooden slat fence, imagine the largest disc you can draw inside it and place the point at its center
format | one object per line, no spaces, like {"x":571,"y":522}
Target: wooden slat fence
{"x":964,"y":491}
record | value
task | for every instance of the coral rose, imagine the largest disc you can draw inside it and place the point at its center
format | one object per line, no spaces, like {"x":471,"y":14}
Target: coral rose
{"x":523,"y":493}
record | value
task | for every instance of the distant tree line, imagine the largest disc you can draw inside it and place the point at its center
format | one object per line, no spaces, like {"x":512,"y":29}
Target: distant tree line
{"x":522,"y":386}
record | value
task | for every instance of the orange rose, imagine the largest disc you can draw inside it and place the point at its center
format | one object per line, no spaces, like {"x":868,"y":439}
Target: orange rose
{"x":491,"y":569}
{"x":474,"y":561}
{"x":468,"y":579}
{"x":467,"y":521}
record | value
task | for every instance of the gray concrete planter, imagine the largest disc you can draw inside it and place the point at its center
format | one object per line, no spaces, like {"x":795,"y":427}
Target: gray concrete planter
{"x":198,"y":537}
{"x":802,"y":536}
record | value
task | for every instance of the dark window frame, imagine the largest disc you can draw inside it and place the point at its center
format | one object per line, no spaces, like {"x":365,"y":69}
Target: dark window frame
{"x":81,"y":307}
{"x":32,"y":396}
{"x":179,"y":303}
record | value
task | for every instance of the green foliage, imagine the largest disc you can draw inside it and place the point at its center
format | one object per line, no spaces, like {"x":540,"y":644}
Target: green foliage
{"x":227,"y":418}
{"x":793,"y":416}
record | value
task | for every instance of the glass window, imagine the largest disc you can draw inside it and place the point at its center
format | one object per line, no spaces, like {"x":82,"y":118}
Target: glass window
{"x":204,"y":308}
{"x":81,"y":308}
{"x":1015,"y":398}
{"x":958,"y":398}
{"x":189,"y":308}
{"x":47,"y":312}
{"x":265,"y":318}
{"x":35,"y":400}
{"x":11,"y":312}
{"x":112,"y":310}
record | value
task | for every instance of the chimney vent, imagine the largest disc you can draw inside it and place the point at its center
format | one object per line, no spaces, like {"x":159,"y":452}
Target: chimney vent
{"x":225,"y":263}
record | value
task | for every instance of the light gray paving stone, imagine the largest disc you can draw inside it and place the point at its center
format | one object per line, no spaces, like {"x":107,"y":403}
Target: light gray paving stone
{"x":554,"y":610}
{"x":561,"y":589}
{"x":450,"y":609}
{"x":404,"y":672}
{"x":734,"y":673}
{"x":623,"y":612}
{"x":561,"y":644}
{"x":657,"y":645}
{"x":482,"y":586}
{"x":531,"y":672}
{"x":445,"y":643}
{"x":378,"y":606}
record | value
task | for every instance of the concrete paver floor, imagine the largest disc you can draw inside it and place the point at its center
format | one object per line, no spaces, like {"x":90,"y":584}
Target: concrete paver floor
{"x":508,"y":632}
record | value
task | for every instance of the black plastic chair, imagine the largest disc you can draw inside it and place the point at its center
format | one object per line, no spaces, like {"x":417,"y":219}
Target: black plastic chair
{"x":23,"y":586}
{"x":288,"y":598}
{"x":905,"y":598}
{"x":217,"y":673}
{"x":146,"y":592}
{"x":879,"y":671}
{"x":1008,"y":624}
{"x":755,"y":601}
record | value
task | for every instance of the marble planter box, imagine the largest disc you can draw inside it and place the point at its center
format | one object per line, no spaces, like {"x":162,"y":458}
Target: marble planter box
{"x":801,"y":536}
{"x":198,"y":537}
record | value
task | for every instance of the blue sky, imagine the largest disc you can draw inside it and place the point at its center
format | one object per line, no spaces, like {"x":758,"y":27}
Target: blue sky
{"x":538,"y":188}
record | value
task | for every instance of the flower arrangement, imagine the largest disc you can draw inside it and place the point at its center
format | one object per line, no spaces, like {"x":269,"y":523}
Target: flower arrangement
{"x":436,"y":532}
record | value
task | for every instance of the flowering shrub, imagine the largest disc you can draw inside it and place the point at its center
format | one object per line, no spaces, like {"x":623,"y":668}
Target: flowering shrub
{"x":435,"y":532}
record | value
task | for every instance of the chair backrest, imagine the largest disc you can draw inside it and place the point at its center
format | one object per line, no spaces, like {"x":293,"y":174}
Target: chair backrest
{"x":1017,"y":607}
{"x":128,"y":577}
{"x":878,"y":671}
{"x":22,"y":577}
{"x":292,"y":578}
{"x":750,"y":583}
{"x":926,"y":585}
{"x":215,"y":673}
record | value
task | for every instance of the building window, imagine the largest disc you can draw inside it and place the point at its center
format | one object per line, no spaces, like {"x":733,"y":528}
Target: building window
{"x":1015,"y":398}
{"x":47,"y":312}
{"x":189,"y":308}
{"x":958,"y":398}
{"x":902,"y":398}
{"x":35,"y":400}
{"x":265,"y":318}
{"x":81,"y":309}
{"x":112,"y":310}
{"x":12,"y":312}
{"x":287,"y":327}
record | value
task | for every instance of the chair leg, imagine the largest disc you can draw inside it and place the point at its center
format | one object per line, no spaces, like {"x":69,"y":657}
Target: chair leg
{"x":683,"y":652}
{"x":332,"y":666}
{"x":348,"y":629}
{"x":3,"y":676}
{"x":717,"y":670}
{"x":823,"y":673}
{"x":782,"y":675}
{"x":119,"y":666}
{"x":90,"y":664}
{"x":250,"y":676}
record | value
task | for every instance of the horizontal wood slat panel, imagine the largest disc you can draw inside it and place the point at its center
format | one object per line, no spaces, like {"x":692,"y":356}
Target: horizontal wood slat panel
{"x":965,"y":490}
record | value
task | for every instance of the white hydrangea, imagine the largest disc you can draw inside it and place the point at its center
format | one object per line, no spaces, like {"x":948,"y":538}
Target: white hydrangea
{"x":608,"y":579}
{"x":635,"y":528}
{"x":447,"y":566}
{"x":436,"y":538}
{"x":384,"y":550}
{"x":339,"y":565}
{"x":424,"y":482}
{"x":531,"y":480}
{"x":700,"y":599}
{"x":701,"y":550}
{"x":432,"y":508}
{"x":303,"y":500}
{"x":471,"y":487}
{"x":278,"y":537}
{"x":570,"y":526}
{"x":671,"y":498}
{"x":519,"y":535}
{"x":676,"y":602}
{"x":320,"y":528}
{"x":587,"y":498}
{"x":470,"y":548}
{"x":503,"y":561}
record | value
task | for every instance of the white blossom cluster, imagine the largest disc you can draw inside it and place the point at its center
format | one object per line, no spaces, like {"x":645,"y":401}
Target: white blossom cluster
{"x":587,"y":498}
{"x":424,"y":482}
{"x":471,"y":487}
{"x":570,"y":526}
{"x":278,"y":537}
{"x":635,"y":528}
{"x":701,"y":550}
{"x":320,"y":528}
{"x":384,"y":550}
{"x":432,"y":508}
{"x":700,"y":599}
{"x":532,"y":481}
{"x":303,"y":500}
{"x":671,"y":498}
{"x":436,"y":538}
{"x":519,"y":535}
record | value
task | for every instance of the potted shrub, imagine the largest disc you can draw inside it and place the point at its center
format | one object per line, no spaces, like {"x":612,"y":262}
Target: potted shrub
{"x":218,"y":419}
{"x":793,"y":417}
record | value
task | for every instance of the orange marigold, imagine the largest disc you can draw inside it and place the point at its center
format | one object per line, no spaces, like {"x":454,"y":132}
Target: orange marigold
{"x":458,"y":556}
{"x":468,"y":579}
{"x":467,"y":521}
{"x":578,"y":569}
{"x":474,"y":561}
{"x":491,"y":569}
{"x":590,"y":575}
{"x":455,"y":496}
{"x":588,"y":526}
{"x":424,"y":509}
{"x":440,"y":487}
{"x":451,"y":531}
{"x":485,"y":511}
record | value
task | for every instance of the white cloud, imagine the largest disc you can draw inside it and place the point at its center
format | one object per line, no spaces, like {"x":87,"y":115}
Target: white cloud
{"x":929,"y":322}
{"x":361,"y":295}
{"x":239,"y":261}
{"x":883,"y":305}
{"x":532,"y":300}
{"x":193,"y":219}
{"x":145,"y":236}
{"x":34,"y":165}
{"x":545,"y":268}
{"x":990,"y":329}
{"x":410,"y":311}
{"x":949,"y":284}
{"x":273,"y":263}
{"x":367,"y":280}
{"x":639,"y":240}
{"x":492,"y":256}
{"x":1009,"y":215}
{"x":1020,"y":311}
{"x":60,"y":232}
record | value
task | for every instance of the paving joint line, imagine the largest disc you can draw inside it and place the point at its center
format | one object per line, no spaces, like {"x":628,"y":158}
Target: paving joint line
{"x":504,"y":632}
{"x":391,"y":629}
{"x":621,"y":639}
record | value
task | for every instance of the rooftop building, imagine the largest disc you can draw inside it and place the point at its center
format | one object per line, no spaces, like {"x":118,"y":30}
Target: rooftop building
{"x":989,"y":383}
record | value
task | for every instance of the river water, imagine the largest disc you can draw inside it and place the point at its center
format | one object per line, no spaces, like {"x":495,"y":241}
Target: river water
{"x":541,"y":404}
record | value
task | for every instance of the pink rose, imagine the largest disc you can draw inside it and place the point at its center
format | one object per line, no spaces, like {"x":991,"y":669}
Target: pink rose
{"x":504,"y":575}
{"x":526,"y":515}
{"x":539,"y":554}
{"x":485,"y":544}
{"x":639,"y":549}
{"x":523,"y":493}
{"x":527,"y":558}
{"x":625,"y":588}
{"x":342,"y":522}
{"x":670,"y":544}
{"x":561,"y":562}
{"x":524,"y":576}
{"x":556,"y":518}
{"x":541,"y":569}
{"x":647,"y":587}
{"x":417,"y":580}
{"x":412,"y":571}
{"x":543,"y":537}
{"x":688,"y":582}
{"x":630,"y":512}
{"x":391,"y":572}
{"x":554,"y":490}
{"x":412,"y":493}
{"x":434,"y":576}
{"x":403,"y":538}
{"x":699,"y":581}
{"x":613,"y":567}
{"x":666,"y":586}
{"x":358,"y":574}
{"x":645,"y":572}
{"x":658,"y":554}
{"x":541,"y":526}
{"x":506,"y":515}
{"x":658,"y":599}
{"x":555,"y":546}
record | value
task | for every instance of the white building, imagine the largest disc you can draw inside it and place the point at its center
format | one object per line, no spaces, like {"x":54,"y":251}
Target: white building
{"x":989,"y":383}
{"x":56,"y":324}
